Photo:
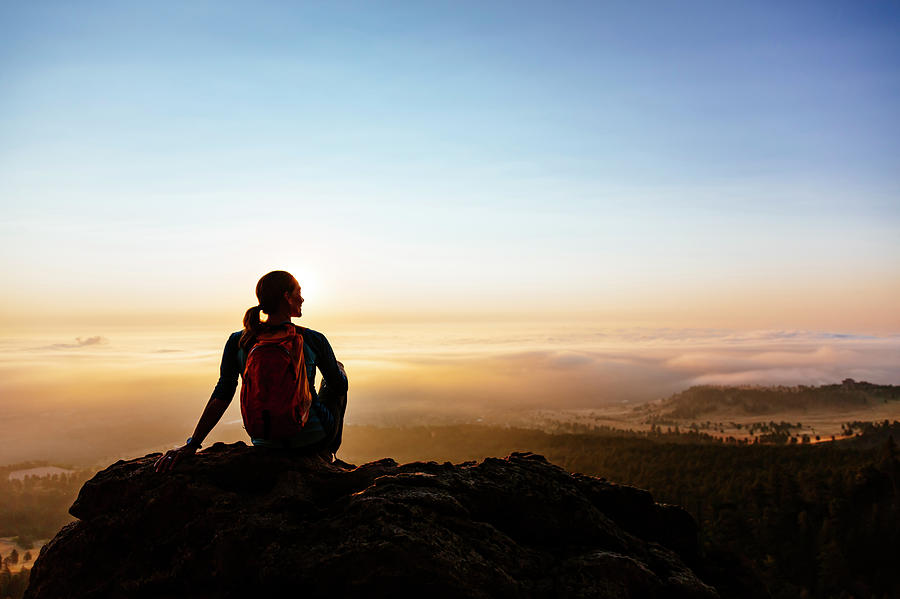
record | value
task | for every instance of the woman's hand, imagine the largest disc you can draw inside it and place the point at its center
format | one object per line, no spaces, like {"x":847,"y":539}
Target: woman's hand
{"x":211,"y":415}
{"x":173,"y":456}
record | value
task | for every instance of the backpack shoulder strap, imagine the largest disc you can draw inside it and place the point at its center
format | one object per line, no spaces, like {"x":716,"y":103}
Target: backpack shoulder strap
{"x":309,"y":349}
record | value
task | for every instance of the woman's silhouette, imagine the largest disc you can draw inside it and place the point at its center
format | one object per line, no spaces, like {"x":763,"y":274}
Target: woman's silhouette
{"x":279,"y":297}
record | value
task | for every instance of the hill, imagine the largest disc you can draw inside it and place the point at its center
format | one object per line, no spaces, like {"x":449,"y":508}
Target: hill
{"x":749,"y":400}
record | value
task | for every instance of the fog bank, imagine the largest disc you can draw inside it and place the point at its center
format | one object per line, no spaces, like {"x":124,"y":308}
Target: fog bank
{"x":101,"y":394}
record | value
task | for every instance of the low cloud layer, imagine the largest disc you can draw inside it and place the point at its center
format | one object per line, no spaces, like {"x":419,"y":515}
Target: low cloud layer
{"x":635,"y":367}
{"x":62,"y":402}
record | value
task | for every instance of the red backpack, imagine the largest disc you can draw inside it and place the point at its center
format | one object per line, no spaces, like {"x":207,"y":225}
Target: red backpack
{"x":275,"y":397}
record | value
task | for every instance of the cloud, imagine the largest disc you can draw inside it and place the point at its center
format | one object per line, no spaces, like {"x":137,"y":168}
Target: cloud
{"x":566,"y":360}
{"x":810,"y":362}
{"x":634,"y":367}
{"x":79,"y":342}
{"x":419,"y":376}
{"x":769,"y":376}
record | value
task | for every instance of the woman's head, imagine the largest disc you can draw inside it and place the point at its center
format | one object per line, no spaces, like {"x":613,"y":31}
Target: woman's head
{"x":275,"y":289}
{"x":278,"y":293}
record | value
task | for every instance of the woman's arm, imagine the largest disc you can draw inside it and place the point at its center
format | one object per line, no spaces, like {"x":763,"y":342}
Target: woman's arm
{"x":333,"y":372}
{"x":215,"y":407}
{"x":212,"y":413}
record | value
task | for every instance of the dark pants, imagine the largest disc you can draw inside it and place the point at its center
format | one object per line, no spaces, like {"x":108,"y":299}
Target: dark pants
{"x":331,"y":408}
{"x":334,"y":430}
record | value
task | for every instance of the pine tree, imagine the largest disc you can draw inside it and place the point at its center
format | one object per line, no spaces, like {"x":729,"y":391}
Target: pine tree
{"x":889,"y":449}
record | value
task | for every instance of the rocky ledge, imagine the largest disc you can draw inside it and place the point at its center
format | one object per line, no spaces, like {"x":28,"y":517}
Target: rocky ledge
{"x":237,"y":521}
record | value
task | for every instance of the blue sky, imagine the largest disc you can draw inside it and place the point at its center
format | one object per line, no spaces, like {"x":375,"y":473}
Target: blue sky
{"x":659,"y":160}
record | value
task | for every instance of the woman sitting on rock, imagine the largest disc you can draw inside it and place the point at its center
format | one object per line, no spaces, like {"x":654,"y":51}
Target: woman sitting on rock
{"x":279,"y":403}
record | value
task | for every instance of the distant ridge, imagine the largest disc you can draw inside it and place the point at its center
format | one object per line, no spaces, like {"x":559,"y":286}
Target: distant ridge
{"x":756,"y":399}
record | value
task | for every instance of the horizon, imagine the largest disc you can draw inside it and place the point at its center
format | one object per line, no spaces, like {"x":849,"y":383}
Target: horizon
{"x":134,"y":390}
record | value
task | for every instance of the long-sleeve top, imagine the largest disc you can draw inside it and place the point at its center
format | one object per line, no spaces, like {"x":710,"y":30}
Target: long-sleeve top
{"x":317,"y":354}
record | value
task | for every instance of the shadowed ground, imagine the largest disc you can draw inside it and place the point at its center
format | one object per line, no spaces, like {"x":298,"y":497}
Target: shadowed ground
{"x":239,"y":521}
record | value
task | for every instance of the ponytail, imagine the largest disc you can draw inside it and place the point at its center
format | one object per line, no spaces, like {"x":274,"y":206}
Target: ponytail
{"x":270,"y":292}
{"x":252,"y":326}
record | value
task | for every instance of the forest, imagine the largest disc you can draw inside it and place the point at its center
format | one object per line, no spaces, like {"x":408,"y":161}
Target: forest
{"x":806,"y":520}
{"x":32,"y":509}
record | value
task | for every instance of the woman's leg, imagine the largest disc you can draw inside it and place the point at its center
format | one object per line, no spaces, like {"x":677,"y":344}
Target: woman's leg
{"x":336,"y":406}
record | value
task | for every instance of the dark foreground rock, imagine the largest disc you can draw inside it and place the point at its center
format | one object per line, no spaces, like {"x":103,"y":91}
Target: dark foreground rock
{"x":244,"y":522}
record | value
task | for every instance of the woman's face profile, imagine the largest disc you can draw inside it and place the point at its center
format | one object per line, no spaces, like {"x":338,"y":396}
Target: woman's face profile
{"x":295,"y":301}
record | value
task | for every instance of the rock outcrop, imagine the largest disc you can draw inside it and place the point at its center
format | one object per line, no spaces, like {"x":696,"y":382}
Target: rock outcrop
{"x":237,"y":521}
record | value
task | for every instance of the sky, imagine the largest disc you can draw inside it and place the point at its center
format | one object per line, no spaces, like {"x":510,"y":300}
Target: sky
{"x":730,"y":168}
{"x":693,"y":163}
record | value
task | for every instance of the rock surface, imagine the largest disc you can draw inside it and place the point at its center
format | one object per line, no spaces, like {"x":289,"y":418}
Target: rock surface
{"x":237,"y":521}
